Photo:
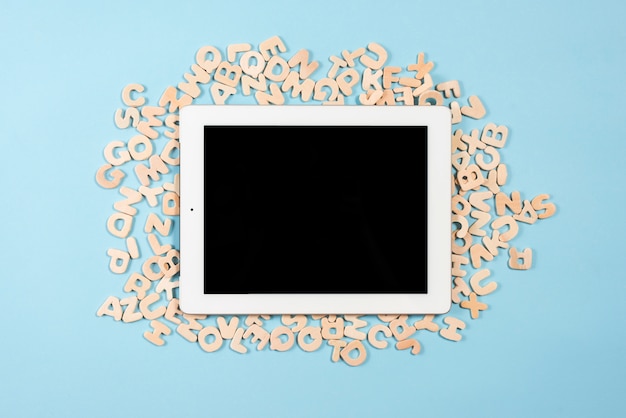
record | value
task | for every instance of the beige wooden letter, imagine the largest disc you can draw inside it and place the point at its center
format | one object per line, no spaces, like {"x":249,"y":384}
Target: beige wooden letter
{"x":373,"y":332}
{"x":307,"y":68}
{"x":159,"y":328}
{"x":277,"y":69}
{"x":130,"y":313}
{"x":233,"y":49}
{"x":119,"y":159}
{"x":411,"y":343}
{"x":304,"y":89}
{"x":381,"y":56}
{"x":475,"y":110}
{"x":494,"y":135}
{"x":127,"y":117}
{"x":139,"y":284}
{"x":252,"y":70}
{"x":470,"y":177}
{"x":149,"y":300}
{"x":119,"y":260}
{"x":427,"y":323}
{"x":146,"y":127}
{"x":459,"y":287}
{"x":352,"y":331}
{"x":400,"y":329}
{"x":257,"y":333}
{"x":320,"y":89}
{"x":111,"y":307}
{"x":271,"y":47}
{"x":140,"y":154}
{"x":127,"y":95}
{"x":170,"y":97}
{"x":197,"y":76}
{"x":299,"y":320}
{"x":152,"y":172}
{"x":276,"y":342}
{"x":477,"y":253}
{"x":512,"y":225}
{"x":451,"y":333}
{"x":347,"y":353}
{"x":171,"y":204}
{"x":208,"y":65}
{"x":274,"y":97}
{"x":314,"y":334}
{"x":227,"y":74}
{"x":346,"y":80}
{"x":221,"y":92}
{"x":548,"y":208}
{"x":227,"y":329}
{"x":477,"y":278}
{"x":332,"y":330}
{"x":520,"y":260}
{"x":203,"y":337}
{"x":153,"y":222}
{"x":101,"y":176}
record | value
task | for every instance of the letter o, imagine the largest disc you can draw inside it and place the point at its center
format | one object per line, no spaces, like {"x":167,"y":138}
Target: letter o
{"x":202,"y":339}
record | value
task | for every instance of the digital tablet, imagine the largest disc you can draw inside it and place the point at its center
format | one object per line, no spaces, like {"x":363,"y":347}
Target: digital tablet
{"x":302,"y":209}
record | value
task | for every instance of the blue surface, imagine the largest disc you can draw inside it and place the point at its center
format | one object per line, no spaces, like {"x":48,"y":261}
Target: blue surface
{"x":552,"y":342}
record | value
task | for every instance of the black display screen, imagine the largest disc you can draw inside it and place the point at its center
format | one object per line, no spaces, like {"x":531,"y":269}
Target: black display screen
{"x":315,"y":209}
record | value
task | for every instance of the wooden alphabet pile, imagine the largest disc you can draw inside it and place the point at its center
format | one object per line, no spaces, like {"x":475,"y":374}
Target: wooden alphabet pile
{"x":144,"y":170}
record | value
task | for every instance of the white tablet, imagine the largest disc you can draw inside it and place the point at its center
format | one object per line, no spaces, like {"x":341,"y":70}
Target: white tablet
{"x":302,"y":209}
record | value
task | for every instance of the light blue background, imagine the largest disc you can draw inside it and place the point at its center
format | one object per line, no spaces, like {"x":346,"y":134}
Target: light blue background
{"x":551,"y":343}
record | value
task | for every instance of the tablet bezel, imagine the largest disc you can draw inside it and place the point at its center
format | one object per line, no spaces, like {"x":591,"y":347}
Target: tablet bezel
{"x":193,"y":300}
